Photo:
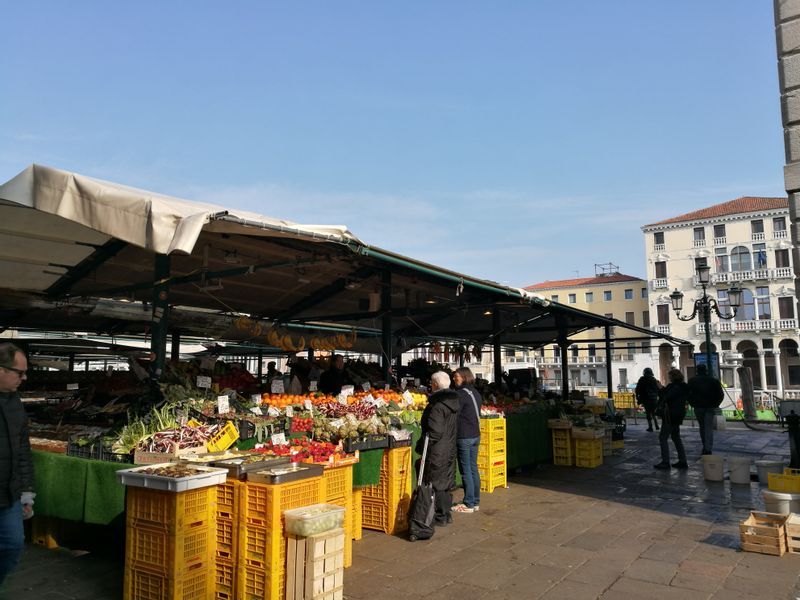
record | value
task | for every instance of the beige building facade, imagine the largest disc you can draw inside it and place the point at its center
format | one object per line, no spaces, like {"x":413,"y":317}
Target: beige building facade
{"x":745,"y":242}
{"x":610,"y":294}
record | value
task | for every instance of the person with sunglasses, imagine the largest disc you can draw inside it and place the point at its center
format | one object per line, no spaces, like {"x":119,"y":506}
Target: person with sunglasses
{"x":16,"y":462}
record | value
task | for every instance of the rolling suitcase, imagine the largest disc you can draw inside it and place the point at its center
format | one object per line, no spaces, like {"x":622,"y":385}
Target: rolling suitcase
{"x":422,"y":510}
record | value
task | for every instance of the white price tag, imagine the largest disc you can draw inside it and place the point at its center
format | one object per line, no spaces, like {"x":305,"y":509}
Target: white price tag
{"x":386,"y":387}
{"x":289,"y":411}
{"x":366,"y":386}
{"x":278,"y":439}
{"x":256,"y":398}
{"x":307,"y":404}
{"x":276,"y":386}
{"x":312,"y":386}
{"x":416,"y":381}
{"x":203,"y":381}
{"x":337,"y":423}
{"x":403,"y":383}
{"x":341,"y":399}
{"x":223,"y":404}
{"x":72,"y":386}
{"x":256,"y":410}
{"x":273,"y":412}
{"x":347,"y":390}
{"x":369,"y":399}
{"x":408,"y":397}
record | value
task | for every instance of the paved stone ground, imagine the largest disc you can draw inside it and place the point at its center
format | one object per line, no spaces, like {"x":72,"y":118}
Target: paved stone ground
{"x":621,"y":531}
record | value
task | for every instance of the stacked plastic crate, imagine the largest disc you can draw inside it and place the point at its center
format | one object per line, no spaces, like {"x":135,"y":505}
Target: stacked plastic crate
{"x":262,"y":535}
{"x":227,"y":550}
{"x":384,"y":507}
{"x":492,"y":454}
{"x":170,"y":540}
{"x":337,"y":488}
{"x":562,"y":446}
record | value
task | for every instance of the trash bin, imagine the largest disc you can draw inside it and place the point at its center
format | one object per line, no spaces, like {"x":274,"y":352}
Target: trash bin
{"x":713,"y":467}
{"x":765,"y":467}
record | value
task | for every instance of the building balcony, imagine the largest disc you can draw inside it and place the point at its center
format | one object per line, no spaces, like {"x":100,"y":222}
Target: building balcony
{"x":665,"y":329}
{"x":699,"y":243}
{"x":660,"y":284}
{"x":750,"y":275}
{"x":658,"y":247}
{"x":758,"y":237}
{"x":720,"y":241}
{"x":767,"y":325}
{"x":780,"y":234}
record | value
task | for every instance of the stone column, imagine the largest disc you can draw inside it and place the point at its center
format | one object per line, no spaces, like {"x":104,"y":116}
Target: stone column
{"x":779,"y":376}
{"x":676,"y":357}
{"x":762,"y":368}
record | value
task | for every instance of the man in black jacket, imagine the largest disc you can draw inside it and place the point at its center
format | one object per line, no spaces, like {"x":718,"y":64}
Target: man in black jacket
{"x":705,"y":396}
{"x":440,"y":423}
{"x":16,"y":462}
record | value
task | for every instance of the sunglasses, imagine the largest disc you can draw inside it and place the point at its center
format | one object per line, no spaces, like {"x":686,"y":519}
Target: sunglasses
{"x":19,"y":372}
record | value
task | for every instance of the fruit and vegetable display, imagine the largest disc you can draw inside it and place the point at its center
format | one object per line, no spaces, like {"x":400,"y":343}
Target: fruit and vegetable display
{"x":175,"y":470}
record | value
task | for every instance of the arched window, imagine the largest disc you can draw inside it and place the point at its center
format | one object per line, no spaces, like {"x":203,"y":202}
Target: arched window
{"x":740,"y":259}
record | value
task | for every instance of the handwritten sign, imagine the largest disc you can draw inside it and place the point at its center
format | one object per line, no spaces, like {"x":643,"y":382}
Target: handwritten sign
{"x":366,"y":386}
{"x":203,"y":382}
{"x":255,"y":398}
{"x":273,"y":412}
{"x":307,"y":404}
{"x":347,"y":390}
{"x":408,"y":397}
{"x":278,"y":439}
{"x":289,"y":411}
{"x":312,"y":386}
{"x":223,"y":404}
{"x":256,"y":410}
{"x":276,"y":386}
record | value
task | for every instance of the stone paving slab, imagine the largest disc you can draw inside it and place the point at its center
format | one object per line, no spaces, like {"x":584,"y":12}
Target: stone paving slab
{"x":621,"y":531}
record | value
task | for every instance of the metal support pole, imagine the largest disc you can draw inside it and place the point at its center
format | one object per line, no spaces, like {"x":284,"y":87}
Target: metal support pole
{"x":158,"y":341}
{"x":386,"y":324}
{"x":497,"y":349}
{"x":563,"y":345}
{"x":71,"y":363}
{"x":175,"y":354}
{"x":707,"y":321}
{"x":609,"y":382}
{"x":260,"y":366}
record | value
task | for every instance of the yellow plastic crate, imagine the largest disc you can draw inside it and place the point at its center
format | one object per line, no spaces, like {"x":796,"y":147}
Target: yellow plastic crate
{"x":227,"y":539}
{"x":486,"y":463}
{"x":786,"y":483}
{"x":224,"y":580}
{"x":495,"y":470}
{"x":589,"y":449}
{"x":563,"y":461}
{"x":175,"y":553}
{"x":498,"y":479}
{"x":381,"y":516}
{"x":143,"y":584}
{"x":228,"y":499}
{"x":357,"y":496}
{"x":224,"y":438}
{"x":588,"y":463}
{"x":488,"y":425}
{"x":169,"y":510}
{"x":491,"y":451}
{"x":617,"y":444}
{"x":395,"y":479}
{"x":258,"y":582}
{"x":262,"y":504}
{"x":337,"y":482}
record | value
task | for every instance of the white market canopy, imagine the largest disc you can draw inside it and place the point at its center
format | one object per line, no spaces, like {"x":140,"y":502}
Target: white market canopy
{"x":78,"y":253}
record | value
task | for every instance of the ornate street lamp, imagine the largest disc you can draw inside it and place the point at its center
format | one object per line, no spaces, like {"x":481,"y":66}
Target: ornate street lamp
{"x":704,"y":306}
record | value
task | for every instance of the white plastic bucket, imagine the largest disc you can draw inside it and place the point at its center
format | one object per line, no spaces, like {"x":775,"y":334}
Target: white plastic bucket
{"x":713,"y":469}
{"x":782,"y":504}
{"x":739,"y":469}
{"x":765,"y":467}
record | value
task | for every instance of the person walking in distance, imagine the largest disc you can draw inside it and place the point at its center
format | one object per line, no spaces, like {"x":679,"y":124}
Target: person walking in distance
{"x":647,"y":393}
{"x":16,"y":461}
{"x":440,"y":423}
{"x":705,"y":396}
{"x":673,"y":409}
{"x":469,"y":438}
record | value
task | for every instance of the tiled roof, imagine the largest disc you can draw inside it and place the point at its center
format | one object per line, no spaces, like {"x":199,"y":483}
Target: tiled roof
{"x":568,"y":283}
{"x":745,"y":204}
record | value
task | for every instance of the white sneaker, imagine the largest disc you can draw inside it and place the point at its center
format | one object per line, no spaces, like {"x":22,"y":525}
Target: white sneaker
{"x":462,"y":508}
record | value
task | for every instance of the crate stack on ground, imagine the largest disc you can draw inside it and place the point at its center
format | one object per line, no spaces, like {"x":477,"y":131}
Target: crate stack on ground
{"x":357,"y":504}
{"x":262,"y":534}
{"x":793,"y":533}
{"x":337,"y":488}
{"x":170,"y":542}
{"x":588,"y":446}
{"x":384,"y":507}
{"x":226,"y":553}
{"x":563,"y":454}
{"x":492,"y":455}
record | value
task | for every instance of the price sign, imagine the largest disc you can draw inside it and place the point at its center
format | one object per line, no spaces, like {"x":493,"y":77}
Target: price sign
{"x":307,"y":404}
{"x":370,"y":400}
{"x":256,"y":410}
{"x":276,"y":386}
{"x":312,"y":386}
{"x":366,"y":386}
{"x":386,"y":387}
{"x":255,"y":398}
{"x":337,"y":423}
{"x":183,"y":417}
{"x":273,"y":412}
{"x":72,"y":386}
{"x":203,"y":382}
{"x":342,"y":399}
{"x":408,"y":397}
{"x":223,"y":404}
{"x":278,"y":439}
{"x":416,"y":381}
{"x":347,"y":390}
{"x":289,"y":411}
{"x":403,"y":383}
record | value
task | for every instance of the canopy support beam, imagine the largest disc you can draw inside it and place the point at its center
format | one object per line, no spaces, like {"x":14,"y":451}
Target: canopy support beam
{"x":103,"y":253}
{"x":323,"y":294}
{"x":386,"y":324}
{"x":609,"y":384}
{"x":497,"y":348}
{"x":160,"y":320}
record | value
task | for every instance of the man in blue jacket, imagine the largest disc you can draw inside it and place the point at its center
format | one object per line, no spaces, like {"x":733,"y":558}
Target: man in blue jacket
{"x":705,"y":396}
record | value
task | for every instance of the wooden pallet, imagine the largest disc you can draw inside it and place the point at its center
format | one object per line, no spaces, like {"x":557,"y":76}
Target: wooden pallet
{"x":764,"y":533}
{"x":315,"y":566}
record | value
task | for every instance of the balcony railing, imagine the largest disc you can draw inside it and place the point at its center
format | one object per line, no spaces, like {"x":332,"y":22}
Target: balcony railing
{"x":660,"y":284}
{"x":665,"y":329}
{"x":658,"y":247}
{"x":758,"y":237}
{"x":700,"y":243}
{"x":780,"y":234}
{"x":749,"y":275}
{"x":720,"y":241}
{"x":700,"y":329}
{"x":772,"y":325}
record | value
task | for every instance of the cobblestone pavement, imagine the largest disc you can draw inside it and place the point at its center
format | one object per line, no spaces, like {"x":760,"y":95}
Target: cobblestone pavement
{"x":623,"y":530}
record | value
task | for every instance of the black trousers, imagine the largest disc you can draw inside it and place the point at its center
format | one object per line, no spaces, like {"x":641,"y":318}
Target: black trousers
{"x":443,"y":501}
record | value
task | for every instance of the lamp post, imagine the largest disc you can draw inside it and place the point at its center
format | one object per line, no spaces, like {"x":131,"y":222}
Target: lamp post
{"x":705,"y":305}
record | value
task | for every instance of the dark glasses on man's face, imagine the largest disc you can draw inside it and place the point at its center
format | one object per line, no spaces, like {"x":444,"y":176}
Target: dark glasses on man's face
{"x":19,"y":372}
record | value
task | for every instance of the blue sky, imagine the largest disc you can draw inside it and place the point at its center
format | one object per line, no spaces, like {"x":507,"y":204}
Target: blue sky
{"x":516,"y":141}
